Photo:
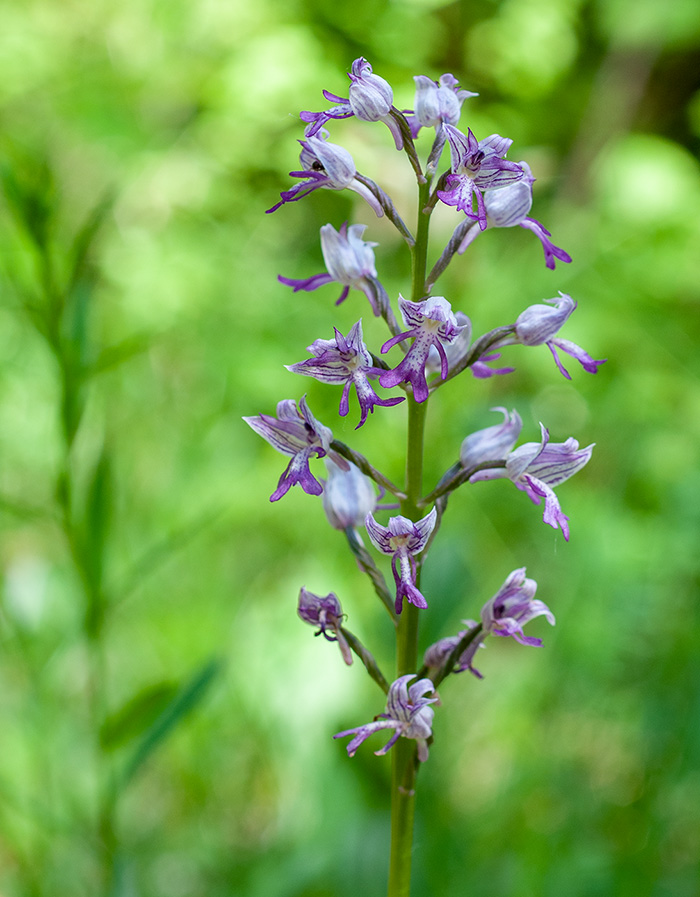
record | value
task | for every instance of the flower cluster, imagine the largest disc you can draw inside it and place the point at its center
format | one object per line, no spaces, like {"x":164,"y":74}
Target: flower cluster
{"x":430,"y":343}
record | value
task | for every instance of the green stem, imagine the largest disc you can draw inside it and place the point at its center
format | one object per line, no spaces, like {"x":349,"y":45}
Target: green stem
{"x":404,"y":760}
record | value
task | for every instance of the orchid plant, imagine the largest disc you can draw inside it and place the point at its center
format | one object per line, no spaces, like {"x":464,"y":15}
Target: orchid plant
{"x":436,"y":345}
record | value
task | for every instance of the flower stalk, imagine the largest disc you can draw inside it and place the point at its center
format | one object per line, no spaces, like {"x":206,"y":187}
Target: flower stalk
{"x":404,"y":763}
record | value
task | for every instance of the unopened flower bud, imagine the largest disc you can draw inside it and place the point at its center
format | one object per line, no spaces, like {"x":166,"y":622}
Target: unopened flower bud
{"x":348,"y":497}
{"x":509,"y":205}
{"x":438,"y":101}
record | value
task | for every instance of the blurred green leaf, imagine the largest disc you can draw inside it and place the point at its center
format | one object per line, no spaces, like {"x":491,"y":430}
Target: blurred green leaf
{"x":98,"y":506}
{"x":29,"y":189}
{"x":85,"y":238}
{"x":112,"y":356}
{"x":185,"y":701}
{"x":136,"y":715}
{"x":166,"y":549}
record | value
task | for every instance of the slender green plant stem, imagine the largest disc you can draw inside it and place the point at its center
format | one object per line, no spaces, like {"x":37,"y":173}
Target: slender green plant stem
{"x":404,"y":761}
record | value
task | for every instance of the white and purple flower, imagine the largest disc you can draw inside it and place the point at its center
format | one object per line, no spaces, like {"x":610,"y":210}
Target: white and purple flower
{"x":296,"y":432}
{"x":476,"y":166}
{"x":431,"y":323}
{"x":325,"y":164}
{"x":538,"y":324}
{"x":403,"y":540}
{"x":370,"y":98}
{"x":536,"y":467}
{"x":345,"y":360}
{"x":512,"y":607}
{"x":509,"y":206}
{"x":349,"y":260}
{"x":326,"y":613}
{"x":408,"y":712}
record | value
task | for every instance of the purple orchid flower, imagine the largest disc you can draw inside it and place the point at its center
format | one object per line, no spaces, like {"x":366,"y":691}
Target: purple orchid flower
{"x":476,"y":166}
{"x":538,"y":324}
{"x":403,"y":540}
{"x":327,"y":614}
{"x":296,"y":432}
{"x":348,"y":496}
{"x":345,"y":360}
{"x":507,"y":207}
{"x":407,"y":712}
{"x":536,"y":467}
{"x":349,"y":260}
{"x":512,"y":607}
{"x":492,"y":443}
{"x":437,"y":102}
{"x":328,"y":165}
{"x":431,"y":323}
{"x":370,"y":98}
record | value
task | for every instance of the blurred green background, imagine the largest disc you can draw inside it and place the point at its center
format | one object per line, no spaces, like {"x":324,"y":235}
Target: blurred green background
{"x":159,"y":700}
